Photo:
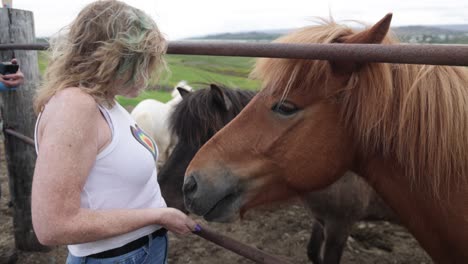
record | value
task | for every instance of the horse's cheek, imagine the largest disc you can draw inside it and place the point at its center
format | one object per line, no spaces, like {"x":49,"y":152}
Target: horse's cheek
{"x":328,"y":156}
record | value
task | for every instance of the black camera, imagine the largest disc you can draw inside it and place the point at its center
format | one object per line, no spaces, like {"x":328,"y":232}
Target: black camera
{"x":8,"y":68}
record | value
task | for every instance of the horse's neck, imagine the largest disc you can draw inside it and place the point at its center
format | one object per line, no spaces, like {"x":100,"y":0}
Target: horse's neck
{"x":440,"y":230}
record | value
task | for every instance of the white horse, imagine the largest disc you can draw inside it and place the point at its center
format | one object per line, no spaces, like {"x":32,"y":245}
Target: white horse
{"x":151,"y":116}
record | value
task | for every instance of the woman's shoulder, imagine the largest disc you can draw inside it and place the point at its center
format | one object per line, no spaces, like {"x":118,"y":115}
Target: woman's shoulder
{"x":67,"y":112}
{"x":74,"y":95}
{"x":73,"y":98}
{"x":71,"y":103}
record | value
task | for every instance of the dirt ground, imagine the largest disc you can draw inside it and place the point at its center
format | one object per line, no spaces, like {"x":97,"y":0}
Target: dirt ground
{"x":282,"y":230}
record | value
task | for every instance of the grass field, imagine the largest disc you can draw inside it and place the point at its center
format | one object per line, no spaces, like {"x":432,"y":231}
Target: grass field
{"x":196,"y":70}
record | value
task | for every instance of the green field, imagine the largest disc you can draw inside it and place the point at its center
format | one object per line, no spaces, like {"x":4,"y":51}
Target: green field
{"x":196,"y":70}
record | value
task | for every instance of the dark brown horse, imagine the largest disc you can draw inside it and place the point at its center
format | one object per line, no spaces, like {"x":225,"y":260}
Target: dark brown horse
{"x":202,"y":113}
{"x":403,"y":128}
{"x":193,"y":122}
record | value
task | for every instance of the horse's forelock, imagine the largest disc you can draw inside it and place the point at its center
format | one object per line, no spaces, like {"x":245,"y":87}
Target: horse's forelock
{"x":277,"y":75}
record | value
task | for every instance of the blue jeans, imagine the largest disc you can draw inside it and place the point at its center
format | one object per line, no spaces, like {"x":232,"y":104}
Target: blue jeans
{"x":153,"y":252}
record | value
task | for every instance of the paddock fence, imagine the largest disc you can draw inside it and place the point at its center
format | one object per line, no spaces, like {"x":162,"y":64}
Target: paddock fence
{"x":453,"y":55}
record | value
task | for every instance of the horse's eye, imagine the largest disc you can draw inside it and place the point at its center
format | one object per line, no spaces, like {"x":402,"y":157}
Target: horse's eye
{"x":285,"y":108}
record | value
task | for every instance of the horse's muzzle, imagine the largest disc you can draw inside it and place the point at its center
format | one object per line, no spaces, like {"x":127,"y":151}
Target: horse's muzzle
{"x":215,"y":197}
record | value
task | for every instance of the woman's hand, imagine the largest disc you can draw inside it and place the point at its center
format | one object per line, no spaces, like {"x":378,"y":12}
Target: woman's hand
{"x":176,"y":221}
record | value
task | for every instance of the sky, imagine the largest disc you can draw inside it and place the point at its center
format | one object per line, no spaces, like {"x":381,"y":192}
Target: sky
{"x":179,"y":19}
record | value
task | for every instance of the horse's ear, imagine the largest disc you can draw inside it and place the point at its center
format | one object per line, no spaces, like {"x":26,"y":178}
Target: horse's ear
{"x":373,"y":35}
{"x":183,"y":92}
{"x":220,"y":97}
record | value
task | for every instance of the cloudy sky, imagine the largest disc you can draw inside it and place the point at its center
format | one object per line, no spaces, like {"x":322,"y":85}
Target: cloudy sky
{"x":184,"y":18}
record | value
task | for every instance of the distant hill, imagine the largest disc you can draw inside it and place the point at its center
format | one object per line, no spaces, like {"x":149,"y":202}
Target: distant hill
{"x":411,"y":34}
{"x":241,"y":36}
{"x":433,"y":34}
{"x":42,"y":40}
{"x":428,"y":30}
{"x":462,"y":28}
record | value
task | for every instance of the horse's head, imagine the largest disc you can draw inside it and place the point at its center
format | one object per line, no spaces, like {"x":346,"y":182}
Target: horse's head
{"x":290,"y":138}
{"x":194,"y":121}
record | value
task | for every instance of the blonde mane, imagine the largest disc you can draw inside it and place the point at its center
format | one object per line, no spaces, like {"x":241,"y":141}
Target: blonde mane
{"x":416,"y":114}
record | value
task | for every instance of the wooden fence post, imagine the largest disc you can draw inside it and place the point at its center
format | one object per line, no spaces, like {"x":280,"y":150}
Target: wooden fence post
{"x":17,"y":26}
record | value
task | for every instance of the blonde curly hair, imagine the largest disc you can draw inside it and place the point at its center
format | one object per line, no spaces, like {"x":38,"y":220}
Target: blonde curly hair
{"x":108,"y":40}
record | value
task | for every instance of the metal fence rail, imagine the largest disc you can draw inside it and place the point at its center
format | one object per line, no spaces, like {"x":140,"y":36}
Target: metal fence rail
{"x":20,"y":136}
{"x":235,"y":246}
{"x":456,"y":55}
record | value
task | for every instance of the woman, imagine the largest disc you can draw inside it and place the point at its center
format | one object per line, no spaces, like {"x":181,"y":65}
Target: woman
{"x":95,"y":187}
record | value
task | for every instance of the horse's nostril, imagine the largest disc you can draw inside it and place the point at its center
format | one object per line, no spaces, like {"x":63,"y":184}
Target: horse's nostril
{"x":190,"y":185}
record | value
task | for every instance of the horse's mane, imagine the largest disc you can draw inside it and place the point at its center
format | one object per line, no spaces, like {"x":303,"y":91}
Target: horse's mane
{"x":416,"y":114}
{"x":195,"y":119}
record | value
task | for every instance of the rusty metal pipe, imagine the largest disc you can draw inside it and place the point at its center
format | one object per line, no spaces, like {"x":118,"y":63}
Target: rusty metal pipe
{"x":20,"y":136}
{"x":456,"y":55}
{"x":237,"y":247}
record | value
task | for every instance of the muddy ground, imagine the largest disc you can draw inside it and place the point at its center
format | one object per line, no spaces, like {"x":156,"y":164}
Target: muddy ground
{"x":282,"y":230}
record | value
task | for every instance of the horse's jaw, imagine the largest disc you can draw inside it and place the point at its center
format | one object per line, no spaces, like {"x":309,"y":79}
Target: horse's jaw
{"x":225,"y":210}
{"x":218,"y":200}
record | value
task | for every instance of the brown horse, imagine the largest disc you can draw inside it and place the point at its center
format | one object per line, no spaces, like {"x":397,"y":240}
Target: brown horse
{"x":403,"y":128}
{"x":334,"y":210}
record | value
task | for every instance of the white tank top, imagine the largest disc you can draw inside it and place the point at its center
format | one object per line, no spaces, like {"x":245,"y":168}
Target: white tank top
{"x":123,"y":176}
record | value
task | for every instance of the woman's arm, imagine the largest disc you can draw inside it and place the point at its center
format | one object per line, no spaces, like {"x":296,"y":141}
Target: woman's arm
{"x":68,"y":148}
